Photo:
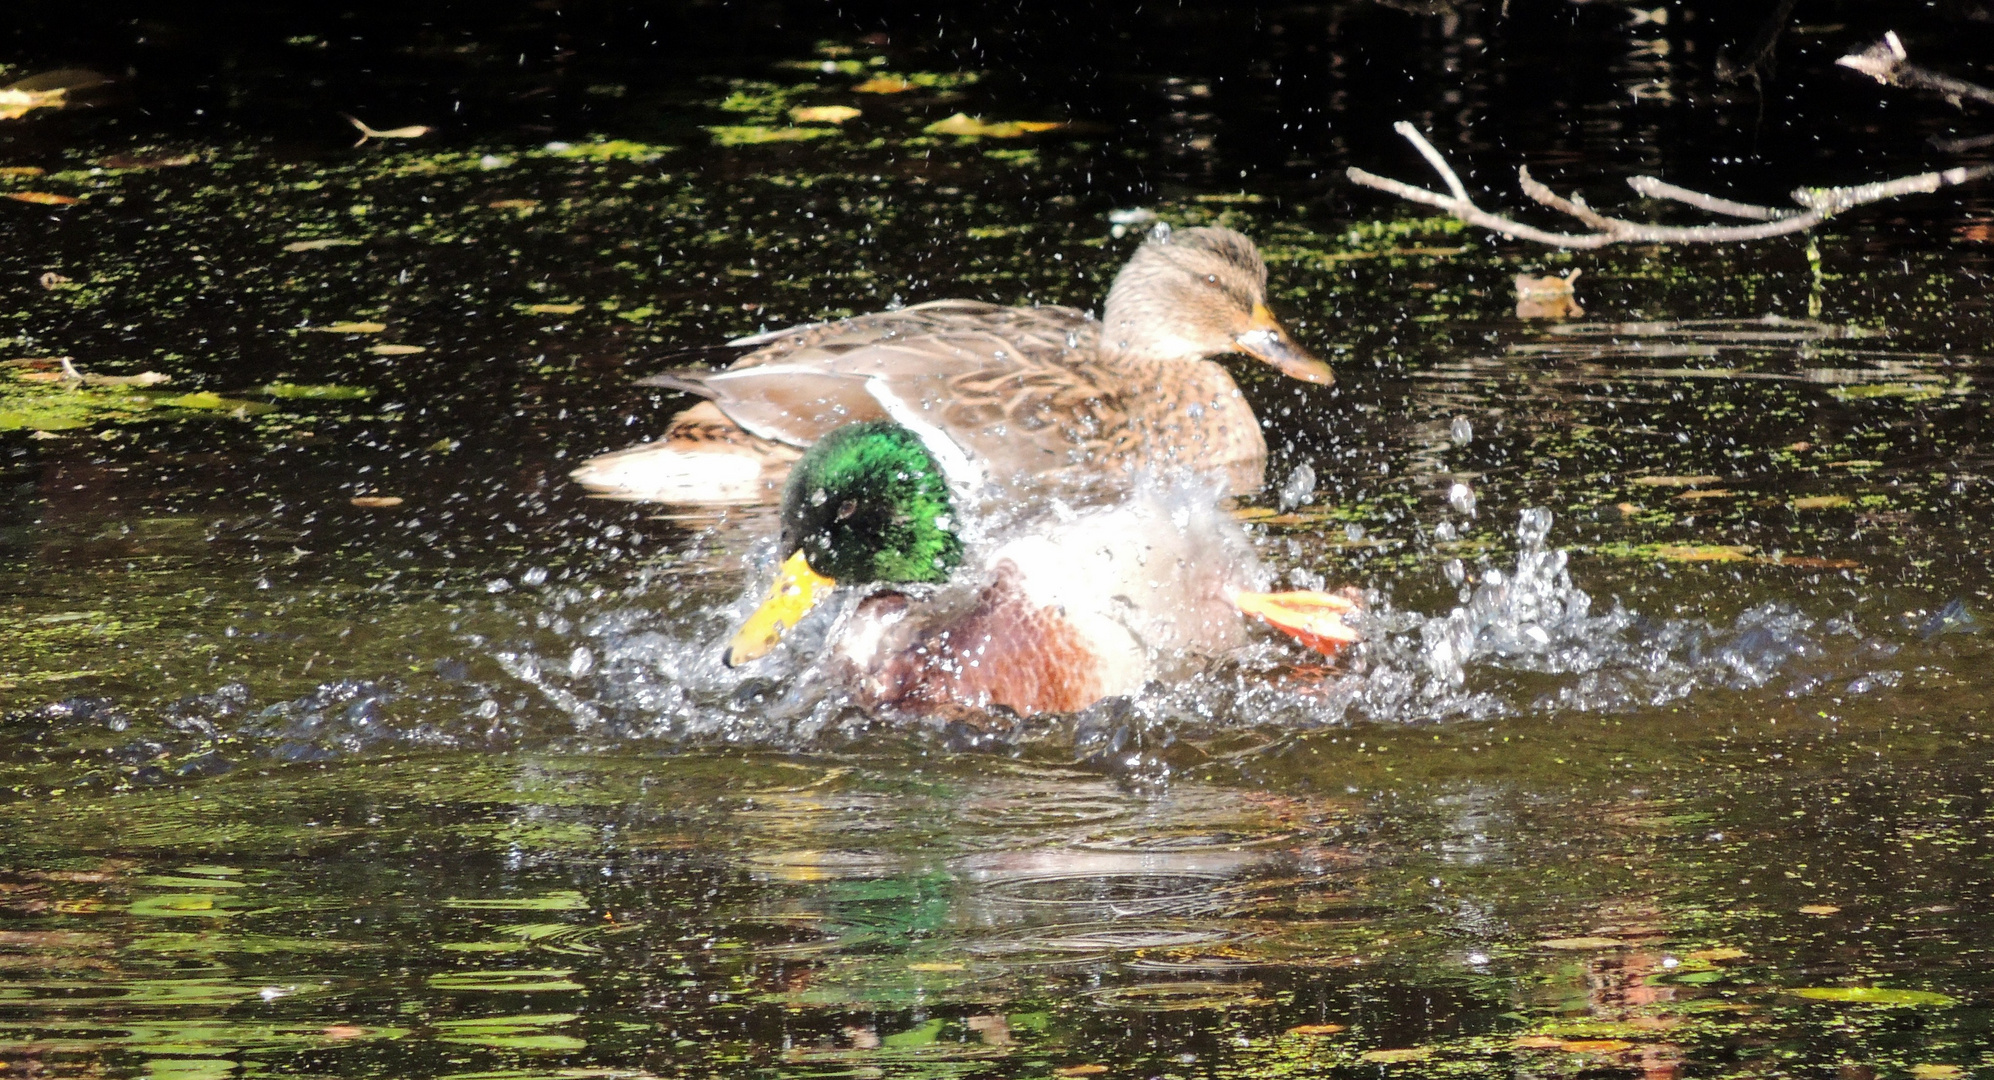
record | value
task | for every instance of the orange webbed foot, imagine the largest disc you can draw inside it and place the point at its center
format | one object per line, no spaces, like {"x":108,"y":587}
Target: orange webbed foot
{"x":1311,"y":616}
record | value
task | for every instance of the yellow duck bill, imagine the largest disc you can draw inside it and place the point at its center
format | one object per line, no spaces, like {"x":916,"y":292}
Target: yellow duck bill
{"x":796,"y":590}
{"x":1265,"y":340}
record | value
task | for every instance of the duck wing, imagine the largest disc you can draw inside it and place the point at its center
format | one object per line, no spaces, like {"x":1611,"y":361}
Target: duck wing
{"x":1019,"y":389}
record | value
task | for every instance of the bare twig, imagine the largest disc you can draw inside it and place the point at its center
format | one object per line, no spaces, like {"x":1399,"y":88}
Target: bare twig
{"x":1954,"y":146}
{"x":1817,"y":205}
{"x":1886,"y":62}
{"x":1662,"y":189}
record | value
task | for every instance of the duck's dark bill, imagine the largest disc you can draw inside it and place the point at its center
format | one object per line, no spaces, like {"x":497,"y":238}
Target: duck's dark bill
{"x":796,"y":590}
{"x":1265,"y":340}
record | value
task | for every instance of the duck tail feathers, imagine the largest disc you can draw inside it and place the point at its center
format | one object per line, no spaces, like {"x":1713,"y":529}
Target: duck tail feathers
{"x":669,"y":473}
{"x":688,"y":382}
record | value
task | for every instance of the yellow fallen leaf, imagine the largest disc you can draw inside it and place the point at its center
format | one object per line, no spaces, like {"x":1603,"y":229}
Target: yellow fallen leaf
{"x":1581,"y":944}
{"x":1707,"y":493}
{"x":550,"y":309}
{"x":1387,"y":1057}
{"x":1080,"y":1070}
{"x":1673,"y":481}
{"x":1317,"y":1029}
{"x":22,"y":170}
{"x":970,"y":127}
{"x":319,"y":245}
{"x":823,"y":114}
{"x":1858,"y":463}
{"x":1717,"y":955}
{"x":1819,"y":502}
{"x":395,"y":350}
{"x":1703,"y":552}
{"x":1819,"y":909}
{"x":377,"y":502}
{"x":349,"y":328}
{"x":936,"y":966}
{"x":513,"y":204}
{"x":884,"y":84}
{"x":43,"y":198}
{"x":1816,"y":562}
{"x":1936,"y":1072}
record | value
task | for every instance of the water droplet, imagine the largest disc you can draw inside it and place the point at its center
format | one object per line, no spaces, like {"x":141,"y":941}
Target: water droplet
{"x":1462,"y":498}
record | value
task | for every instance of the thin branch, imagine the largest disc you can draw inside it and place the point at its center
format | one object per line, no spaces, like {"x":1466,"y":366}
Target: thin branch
{"x":1661,"y":189}
{"x":1887,"y":63}
{"x":1831,"y":201}
{"x":1955,"y":146}
{"x":1819,"y":204}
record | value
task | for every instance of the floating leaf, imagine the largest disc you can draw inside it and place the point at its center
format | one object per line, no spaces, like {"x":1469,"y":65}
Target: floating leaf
{"x":1574,"y":1046}
{"x":22,"y":170}
{"x":558,"y":900}
{"x":43,"y":198}
{"x":348,"y":328}
{"x":1317,"y":1029}
{"x":523,"y":1032}
{"x":209,"y":401}
{"x":518,"y":981}
{"x":823,"y":114}
{"x":756,"y":134}
{"x":1387,"y":1057}
{"x":320,"y":245}
{"x":323,"y":392}
{"x":1717,"y":955}
{"x":395,"y":350}
{"x":377,"y":502}
{"x":147,"y":161}
{"x":1936,"y":1072}
{"x":1581,"y":944}
{"x":1874,"y":995}
{"x":1816,"y":562}
{"x":1855,"y":463}
{"x":513,"y":204}
{"x":1673,"y":481}
{"x":550,"y":309}
{"x":884,"y":84}
{"x":1819,"y":909}
{"x":1908,"y":391}
{"x":1819,"y":502}
{"x":967,"y":126}
{"x":937,"y":966}
{"x":1089,"y":1069}
{"x":1708,"y":493}
{"x":608,"y":150}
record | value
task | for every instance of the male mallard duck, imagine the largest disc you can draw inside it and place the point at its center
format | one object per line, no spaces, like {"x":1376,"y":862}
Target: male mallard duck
{"x":1048,"y":612}
{"x":1037,"y":393}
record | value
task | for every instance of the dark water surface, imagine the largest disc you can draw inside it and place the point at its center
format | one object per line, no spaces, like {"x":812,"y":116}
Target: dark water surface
{"x":1666,"y":754}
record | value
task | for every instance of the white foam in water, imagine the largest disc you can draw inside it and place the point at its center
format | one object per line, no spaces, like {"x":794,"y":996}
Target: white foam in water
{"x":631,"y":674}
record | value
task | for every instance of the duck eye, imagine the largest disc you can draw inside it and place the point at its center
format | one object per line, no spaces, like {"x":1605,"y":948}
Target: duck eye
{"x":1211,"y":279}
{"x":847,"y":508}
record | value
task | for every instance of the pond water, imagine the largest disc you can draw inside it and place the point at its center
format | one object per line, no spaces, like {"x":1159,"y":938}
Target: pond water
{"x":341,"y":735}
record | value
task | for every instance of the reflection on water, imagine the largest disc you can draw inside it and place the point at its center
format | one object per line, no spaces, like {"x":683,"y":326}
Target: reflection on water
{"x":596,"y":917}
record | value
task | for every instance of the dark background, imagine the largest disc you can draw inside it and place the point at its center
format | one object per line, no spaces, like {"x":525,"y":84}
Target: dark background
{"x":1745,"y":94}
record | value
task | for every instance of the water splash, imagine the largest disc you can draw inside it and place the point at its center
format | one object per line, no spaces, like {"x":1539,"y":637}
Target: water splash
{"x":599,"y":669}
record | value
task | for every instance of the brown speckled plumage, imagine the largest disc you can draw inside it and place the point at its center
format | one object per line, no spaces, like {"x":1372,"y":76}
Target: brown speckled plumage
{"x":1039,"y":395}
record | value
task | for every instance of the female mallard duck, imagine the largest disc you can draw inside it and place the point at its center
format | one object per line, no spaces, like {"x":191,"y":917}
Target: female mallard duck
{"x":1043,"y":394}
{"x":1047,"y":612}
